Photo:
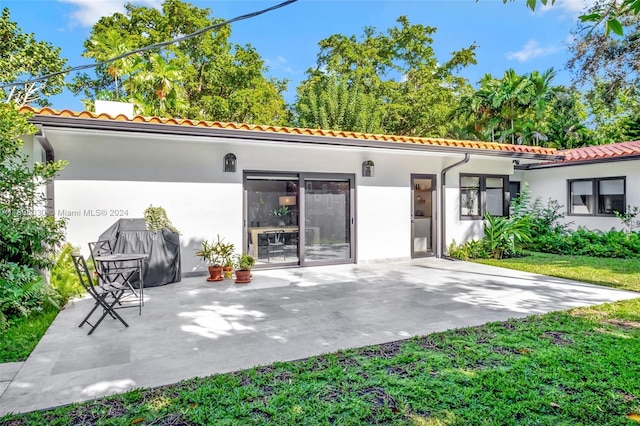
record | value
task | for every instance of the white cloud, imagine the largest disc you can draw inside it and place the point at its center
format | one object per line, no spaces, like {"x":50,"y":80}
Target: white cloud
{"x":572,"y":7}
{"x":88,"y":12}
{"x":575,"y":6}
{"x":531,"y":49}
{"x":280,"y":63}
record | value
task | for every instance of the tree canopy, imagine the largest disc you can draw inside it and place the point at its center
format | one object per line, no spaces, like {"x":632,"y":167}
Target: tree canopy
{"x":393,"y":77}
{"x":611,"y":14}
{"x":206,"y":77}
{"x":22,"y":57}
{"x":525,"y":109}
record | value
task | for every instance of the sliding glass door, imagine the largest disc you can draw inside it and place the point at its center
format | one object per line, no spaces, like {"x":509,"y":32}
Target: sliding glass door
{"x":328,"y":220}
{"x":271,"y":220}
{"x":299,"y":219}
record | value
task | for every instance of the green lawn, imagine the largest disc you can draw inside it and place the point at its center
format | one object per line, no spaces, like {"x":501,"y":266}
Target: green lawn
{"x":572,"y":368}
{"x":618,"y":273}
{"x":577,"y":367}
{"x":17,"y":342}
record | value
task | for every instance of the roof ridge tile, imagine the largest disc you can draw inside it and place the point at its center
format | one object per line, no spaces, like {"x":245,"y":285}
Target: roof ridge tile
{"x":493,"y":146}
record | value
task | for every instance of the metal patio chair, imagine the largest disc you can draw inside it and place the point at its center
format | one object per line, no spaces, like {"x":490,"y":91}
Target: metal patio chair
{"x":125,"y":273}
{"x":275,"y":244}
{"x":105,"y":293}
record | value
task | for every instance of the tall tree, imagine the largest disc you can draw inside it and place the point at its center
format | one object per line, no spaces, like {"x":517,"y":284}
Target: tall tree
{"x":612,"y":61}
{"x":609,"y":117}
{"x":22,"y":57}
{"x":608,"y":14}
{"x":205,"y":77}
{"x":331,"y":103}
{"x":567,"y":119}
{"x":414,"y":90}
{"x":524,"y":109}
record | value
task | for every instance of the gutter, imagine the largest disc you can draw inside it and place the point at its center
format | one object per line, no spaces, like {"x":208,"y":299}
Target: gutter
{"x":49,"y":157}
{"x":443,"y":184}
{"x":199,"y":131}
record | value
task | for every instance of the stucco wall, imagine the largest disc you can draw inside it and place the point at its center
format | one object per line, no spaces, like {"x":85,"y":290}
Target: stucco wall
{"x":551,"y":183}
{"x":465,"y":230}
{"x":111,"y":176}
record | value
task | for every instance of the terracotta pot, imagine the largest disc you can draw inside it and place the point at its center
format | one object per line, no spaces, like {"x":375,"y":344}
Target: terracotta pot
{"x":215,"y":273}
{"x":228,"y":271}
{"x":243,"y":276}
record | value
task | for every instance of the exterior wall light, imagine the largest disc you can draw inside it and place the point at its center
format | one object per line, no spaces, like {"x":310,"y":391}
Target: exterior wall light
{"x":230,"y":163}
{"x":368,"y":169}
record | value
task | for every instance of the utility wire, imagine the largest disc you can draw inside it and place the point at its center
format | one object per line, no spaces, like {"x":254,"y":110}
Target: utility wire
{"x":153,"y":46}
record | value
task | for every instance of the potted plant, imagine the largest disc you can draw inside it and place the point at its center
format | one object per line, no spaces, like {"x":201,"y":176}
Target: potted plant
{"x":281,"y":213}
{"x":243,"y":271}
{"x":210,"y":253}
{"x":156,"y":220}
{"x":226,"y":253}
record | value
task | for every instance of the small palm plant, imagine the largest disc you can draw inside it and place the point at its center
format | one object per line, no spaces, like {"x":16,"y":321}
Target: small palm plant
{"x":505,"y":235}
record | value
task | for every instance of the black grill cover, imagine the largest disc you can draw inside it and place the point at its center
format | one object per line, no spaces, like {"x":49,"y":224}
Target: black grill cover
{"x":163,"y":264}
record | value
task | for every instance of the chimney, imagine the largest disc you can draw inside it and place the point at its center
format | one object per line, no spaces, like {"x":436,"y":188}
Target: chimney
{"x":114,"y":108}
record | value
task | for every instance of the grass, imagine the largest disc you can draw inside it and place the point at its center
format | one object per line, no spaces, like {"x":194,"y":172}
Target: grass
{"x":574,"y":367}
{"x":617,"y":273}
{"x":22,"y":336}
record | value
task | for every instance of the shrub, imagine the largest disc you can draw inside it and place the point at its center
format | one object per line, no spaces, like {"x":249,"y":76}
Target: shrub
{"x":543,"y":219}
{"x":64,"y":278}
{"x":583,"y":242}
{"x":474,"y":249}
{"x":628,"y":218}
{"x":505,"y":236}
{"x":22,"y":290}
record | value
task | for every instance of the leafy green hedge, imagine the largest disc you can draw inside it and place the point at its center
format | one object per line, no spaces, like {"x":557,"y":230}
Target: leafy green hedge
{"x":583,"y":242}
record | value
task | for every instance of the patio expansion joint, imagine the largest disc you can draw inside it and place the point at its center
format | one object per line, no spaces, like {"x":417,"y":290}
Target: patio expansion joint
{"x":8,"y":372}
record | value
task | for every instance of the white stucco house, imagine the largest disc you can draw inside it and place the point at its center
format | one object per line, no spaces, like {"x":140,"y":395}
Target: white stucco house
{"x":590,"y":183}
{"x":326,"y":196}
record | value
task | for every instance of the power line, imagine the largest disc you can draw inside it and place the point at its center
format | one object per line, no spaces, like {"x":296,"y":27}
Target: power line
{"x":153,"y":46}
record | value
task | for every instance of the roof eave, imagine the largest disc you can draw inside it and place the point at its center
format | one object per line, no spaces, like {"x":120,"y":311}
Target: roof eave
{"x":537,"y":166}
{"x":167,"y":129}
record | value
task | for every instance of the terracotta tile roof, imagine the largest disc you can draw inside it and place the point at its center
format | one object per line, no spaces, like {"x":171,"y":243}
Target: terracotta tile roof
{"x":597,"y":152}
{"x":299,"y":131}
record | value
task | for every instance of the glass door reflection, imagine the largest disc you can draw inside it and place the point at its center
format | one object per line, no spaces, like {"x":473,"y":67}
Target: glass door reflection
{"x":272,"y":219}
{"x":327,"y":220}
{"x":422,"y":217}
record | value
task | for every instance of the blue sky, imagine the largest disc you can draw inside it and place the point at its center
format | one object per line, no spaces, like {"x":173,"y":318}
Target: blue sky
{"x":508,"y":35}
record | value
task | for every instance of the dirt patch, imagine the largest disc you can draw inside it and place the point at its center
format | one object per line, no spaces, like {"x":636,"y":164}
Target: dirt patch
{"x":259,"y":414}
{"x":348,"y":362}
{"x":285,"y":376}
{"x":331,"y":395}
{"x":386,"y":350}
{"x":627,"y":325}
{"x":501,"y":350}
{"x":265,"y":369}
{"x":626,"y":397}
{"x":398,"y":371}
{"x":379,"y":398}
{"x":558,"y":338}
{"x":429,"y":344}
{"x":508,"y":326}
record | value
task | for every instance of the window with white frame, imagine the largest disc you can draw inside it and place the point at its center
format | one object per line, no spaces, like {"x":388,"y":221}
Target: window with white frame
{"x":597,"y":196}
{"x":480,"y":194}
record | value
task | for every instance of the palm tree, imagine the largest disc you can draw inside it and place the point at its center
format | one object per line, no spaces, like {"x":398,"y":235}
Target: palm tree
{"x":156,"y":87}
{"x":111,"y":45}
{"x":511,"y":99}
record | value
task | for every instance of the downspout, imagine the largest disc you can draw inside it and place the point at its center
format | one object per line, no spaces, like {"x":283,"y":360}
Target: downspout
{"x":49,"y":157}
{"x":443,"y":215}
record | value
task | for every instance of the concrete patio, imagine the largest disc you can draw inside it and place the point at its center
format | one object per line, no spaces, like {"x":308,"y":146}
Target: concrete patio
{"x":196,"y":328}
